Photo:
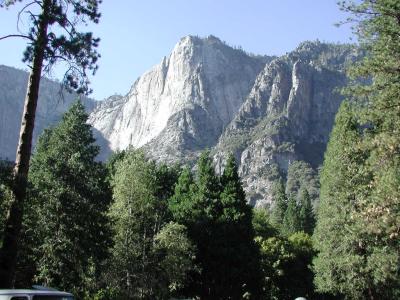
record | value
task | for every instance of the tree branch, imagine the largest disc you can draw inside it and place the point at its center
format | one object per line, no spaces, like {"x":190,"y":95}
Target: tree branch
{"x":16,"y":35}
{"x":21,"y":11}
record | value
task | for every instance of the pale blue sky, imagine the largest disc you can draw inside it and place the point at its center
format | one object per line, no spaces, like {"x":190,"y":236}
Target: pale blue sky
{"x":136,"y":34}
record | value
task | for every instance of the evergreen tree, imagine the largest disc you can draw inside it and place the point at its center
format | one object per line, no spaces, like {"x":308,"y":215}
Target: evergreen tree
{"x":52,"y":36}
{"x":181,"y":204}
{"x":279,"y":205}
{"x":340,"y":264}
{"x":306,"y":213}
{"x":167,"y":178}
{"x":112,"y":162}
{"x":291,"y":219}
{"x":219,"y":222}
{"x":203,"y":227}
{"x":70,"y":200}
{"x":236,"y":248}
{"x":366,"y":264}
{"x":301,"y":176}
{"x":208,"y":188}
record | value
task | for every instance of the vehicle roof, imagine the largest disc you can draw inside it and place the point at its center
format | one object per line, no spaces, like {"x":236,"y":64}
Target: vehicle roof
{"x":33,"y":292}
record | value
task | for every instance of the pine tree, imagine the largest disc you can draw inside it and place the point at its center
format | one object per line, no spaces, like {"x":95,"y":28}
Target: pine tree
{"x":301,"y":176}
{"x":291,"y":219}
{"x":208,"y":188}
{"x":52,"y":36}
{"x":368,"y":169}
{"x":181,"y":204}
{"x":219,"y":222}
{"x":236,"y":248}
{"x":70,"y":197}
{"x":340,"y":263}
{"x":203,"y":228}
{"x":279,"y":205}
{"x":306,"y":213}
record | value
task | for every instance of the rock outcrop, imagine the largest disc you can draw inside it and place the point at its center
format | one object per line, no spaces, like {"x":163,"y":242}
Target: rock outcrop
{"x":182,"y":105}
{"x":287,"y":116}
{"x":268,"y":111}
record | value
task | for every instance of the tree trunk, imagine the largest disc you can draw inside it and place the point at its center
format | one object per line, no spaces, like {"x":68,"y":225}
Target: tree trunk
{"x":8,"y":251}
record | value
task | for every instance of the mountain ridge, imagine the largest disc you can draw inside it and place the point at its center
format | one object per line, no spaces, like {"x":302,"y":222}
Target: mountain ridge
{"x":52,"y":103}
{"x":268,"y":111}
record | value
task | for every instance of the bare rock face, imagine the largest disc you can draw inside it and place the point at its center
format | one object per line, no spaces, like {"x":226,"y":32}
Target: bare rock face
{"x":287,"y":117}
{"x":182,"y":105}
{"x":274,"y":114}
{"x":52,"y":103}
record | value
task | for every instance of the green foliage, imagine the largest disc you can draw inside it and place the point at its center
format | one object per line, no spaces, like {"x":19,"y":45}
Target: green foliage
{"x":236,"y":247}
{"x":295,"y":214}
{"x":150,"y":256}
{"x":66,"y":226}
{"x":306,"y":213}
{"x":218,"y":219}
{"x":360,"y":185}
{"x":340,"y":265}
{"x":285,"y":264}
{"x":280,"y":204}
{"x":208,"y":188}
{"x":301,"y":176}
{"x":181,"y":204}
{"x":291,"y":219}
{"x":167,"y":177}
{"x":112,"y":162}
{"x":137,"y":217}
{"x":262,"y":225}
{"x":176,"y":255}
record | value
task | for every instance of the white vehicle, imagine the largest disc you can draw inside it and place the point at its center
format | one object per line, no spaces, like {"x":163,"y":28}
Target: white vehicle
{"x":17,"y":294}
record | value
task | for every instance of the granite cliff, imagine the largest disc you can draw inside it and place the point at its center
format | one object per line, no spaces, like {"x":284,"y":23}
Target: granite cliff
{"x":274,"y":114}
{"x":182,"y":105}
{"x":287,"y":116}
{"x":270,"y":112}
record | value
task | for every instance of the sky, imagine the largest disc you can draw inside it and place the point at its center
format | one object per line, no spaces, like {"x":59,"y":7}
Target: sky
{"x":137,"y":34}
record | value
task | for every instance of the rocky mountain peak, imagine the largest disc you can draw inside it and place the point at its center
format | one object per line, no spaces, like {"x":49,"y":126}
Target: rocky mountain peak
{"x":272,"y":113}
{"x":184,"y":101}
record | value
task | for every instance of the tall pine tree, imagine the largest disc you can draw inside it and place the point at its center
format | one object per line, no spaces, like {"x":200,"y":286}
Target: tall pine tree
{"x":181,"y":204}
{"x":306,"y":213}
{"x":367,"y":198}
{"x":291,"y":219}
{"x":219,"y":222}
{"x":53,"y":35}
{"x":279,"y":205}
{"x":340,"y":263}
{"x":238,"y":252}
{"x":71,"y":198}
{"x":203,"y":227}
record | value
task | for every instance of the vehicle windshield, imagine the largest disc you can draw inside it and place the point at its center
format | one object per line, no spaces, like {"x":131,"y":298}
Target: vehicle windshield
{"x":44,"y":297}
